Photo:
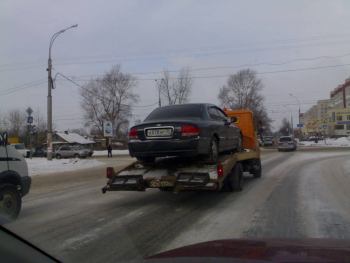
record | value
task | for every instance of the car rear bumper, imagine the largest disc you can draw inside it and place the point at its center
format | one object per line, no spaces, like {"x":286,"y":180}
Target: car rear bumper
{"x":287,"y":147}
{"x":171,"y":147}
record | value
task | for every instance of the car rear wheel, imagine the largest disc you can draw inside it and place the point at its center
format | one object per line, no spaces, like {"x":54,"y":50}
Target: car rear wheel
{"x":76,"y":155}
{"x":146,"y":159}
{"x":213,"y":153}
{"x":58,"y":156}
{"x":10,"y":202}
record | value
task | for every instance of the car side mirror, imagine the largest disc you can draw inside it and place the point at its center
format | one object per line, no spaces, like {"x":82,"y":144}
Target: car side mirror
{"x":3,"y":138}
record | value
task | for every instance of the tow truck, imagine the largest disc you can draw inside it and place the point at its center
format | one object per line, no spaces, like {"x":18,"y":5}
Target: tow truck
{"x":176,"y":174}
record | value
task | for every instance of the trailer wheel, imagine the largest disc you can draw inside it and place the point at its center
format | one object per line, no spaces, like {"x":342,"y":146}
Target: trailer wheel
{"x":234,"y":181}
{"x":257,"y":171}
{"x":10,"y":202}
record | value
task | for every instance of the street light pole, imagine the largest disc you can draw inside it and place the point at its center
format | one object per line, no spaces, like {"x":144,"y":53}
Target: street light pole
{"x":298,"y":101}
{"x":49,"y":94}
{"x":290,"y":94}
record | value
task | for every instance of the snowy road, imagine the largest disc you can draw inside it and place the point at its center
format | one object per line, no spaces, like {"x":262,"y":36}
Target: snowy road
{"x":301,"y":194}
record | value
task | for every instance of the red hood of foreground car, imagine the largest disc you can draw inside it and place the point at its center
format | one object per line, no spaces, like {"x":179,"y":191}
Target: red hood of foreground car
{"x":262,"y":250}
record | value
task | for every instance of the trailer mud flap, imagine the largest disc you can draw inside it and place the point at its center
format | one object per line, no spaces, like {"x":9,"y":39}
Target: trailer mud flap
{"x":125,"y":183}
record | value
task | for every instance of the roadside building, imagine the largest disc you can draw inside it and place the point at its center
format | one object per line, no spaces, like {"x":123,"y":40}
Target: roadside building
{"x":315,"y":120}
{"x":72,"y":139}
{"x":340,"y":96}
{"x":339,"y":122}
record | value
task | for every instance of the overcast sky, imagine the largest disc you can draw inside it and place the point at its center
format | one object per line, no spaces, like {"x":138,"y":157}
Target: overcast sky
{"x":304,"y":37}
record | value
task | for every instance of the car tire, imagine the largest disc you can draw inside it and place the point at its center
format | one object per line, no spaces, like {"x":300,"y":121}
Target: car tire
{"x":76,"y":156}
{"x":213,"y":153}
{"x":234,"y":180}
{"x":146,"y":159}
{"x":58,"y":156}
{"x":10,"y":202}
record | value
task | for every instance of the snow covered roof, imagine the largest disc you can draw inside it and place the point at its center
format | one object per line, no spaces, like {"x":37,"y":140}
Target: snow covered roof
{"x":74,"y":138}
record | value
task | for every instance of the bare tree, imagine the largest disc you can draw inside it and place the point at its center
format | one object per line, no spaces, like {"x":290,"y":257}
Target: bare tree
{"x":243,"y":91}
{"x":16,"y":122}
{"x":109,"y":98}
{"x":176,"y":90}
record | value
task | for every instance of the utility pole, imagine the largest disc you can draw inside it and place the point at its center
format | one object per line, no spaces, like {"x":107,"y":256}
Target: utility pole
{"x":49,"y":94}
{"x":29,"y":130}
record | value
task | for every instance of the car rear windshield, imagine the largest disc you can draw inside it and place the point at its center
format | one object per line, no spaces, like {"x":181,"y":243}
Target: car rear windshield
{"x":285,"y":139}
{"x":176,"y":112}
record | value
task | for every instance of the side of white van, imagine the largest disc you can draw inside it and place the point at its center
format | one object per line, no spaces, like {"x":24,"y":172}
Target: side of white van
{"x":14,"y":180}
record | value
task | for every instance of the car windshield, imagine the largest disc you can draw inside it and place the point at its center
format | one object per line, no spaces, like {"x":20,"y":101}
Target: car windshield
{"x":147,"y":125}
{"x":176,"y":112}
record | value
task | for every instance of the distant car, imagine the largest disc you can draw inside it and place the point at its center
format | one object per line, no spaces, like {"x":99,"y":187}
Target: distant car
{"x":287,"y":143}
{"x":267,"y":141}
{"x":67,"y":151}
{"x":185,"y":130}
{"x":22,"y":149}
{"x":38,"y":152}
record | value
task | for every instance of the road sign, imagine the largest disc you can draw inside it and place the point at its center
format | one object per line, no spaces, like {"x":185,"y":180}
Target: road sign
{"x":30,"y":119}
{"x":107,"y":129}
{"x":300,"y":125}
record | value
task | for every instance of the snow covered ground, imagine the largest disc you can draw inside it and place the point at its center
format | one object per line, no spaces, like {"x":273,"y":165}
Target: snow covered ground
{"x":340,"y":142}
{"x":114,"y":152}
{"x":38,"y":166}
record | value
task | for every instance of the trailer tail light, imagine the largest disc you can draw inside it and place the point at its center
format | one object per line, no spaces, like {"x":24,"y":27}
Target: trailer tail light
{"x":109,"y":172}
{"x":220,"y":169}
{"x":133,"y":133}
{"x":188,"y":130}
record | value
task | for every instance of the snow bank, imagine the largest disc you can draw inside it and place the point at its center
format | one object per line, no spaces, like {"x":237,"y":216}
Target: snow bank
{"x":114,"y":152}
{"x":340,"y":142}
{"x":38,"y":166}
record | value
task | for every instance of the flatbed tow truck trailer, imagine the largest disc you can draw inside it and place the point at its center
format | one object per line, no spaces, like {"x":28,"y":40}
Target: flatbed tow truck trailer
{"x":176,"y":174}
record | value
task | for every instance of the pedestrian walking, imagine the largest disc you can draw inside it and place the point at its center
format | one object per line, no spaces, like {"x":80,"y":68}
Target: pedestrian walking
{"x":109,"y":149}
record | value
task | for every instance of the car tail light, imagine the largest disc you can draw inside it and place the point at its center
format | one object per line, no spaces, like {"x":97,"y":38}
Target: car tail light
{"x":133,"y":133}
{"x":189,"y":130}
{"x":109,"y":172}
{"x":220,"y":170}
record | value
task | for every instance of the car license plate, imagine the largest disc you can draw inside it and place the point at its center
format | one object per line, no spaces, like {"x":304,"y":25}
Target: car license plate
{"x":165,"y":132}
{"x":157,"y":184}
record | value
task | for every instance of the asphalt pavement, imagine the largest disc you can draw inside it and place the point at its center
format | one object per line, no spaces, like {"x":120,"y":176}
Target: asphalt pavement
{"x":301,"y":194}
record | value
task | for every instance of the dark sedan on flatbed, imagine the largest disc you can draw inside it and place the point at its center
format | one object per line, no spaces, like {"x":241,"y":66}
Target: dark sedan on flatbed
{"x":185,"y":130}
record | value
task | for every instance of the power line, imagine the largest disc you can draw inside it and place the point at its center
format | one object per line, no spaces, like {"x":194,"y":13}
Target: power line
{"x":194,"y":51}
{"x":36,"y":84}
{"x":194,"y":77}
{"x":258,"y":73}
{"x":80,"y":86}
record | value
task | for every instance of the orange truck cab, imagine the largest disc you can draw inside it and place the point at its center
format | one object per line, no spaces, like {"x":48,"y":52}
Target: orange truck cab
{"x":245,"y":122}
